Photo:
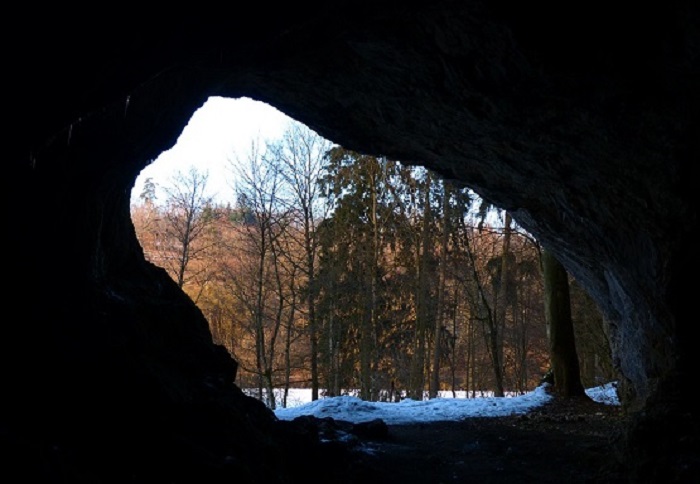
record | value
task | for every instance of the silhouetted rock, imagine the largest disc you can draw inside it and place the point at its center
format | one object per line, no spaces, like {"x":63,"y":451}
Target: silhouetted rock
{"x":582,"y":123}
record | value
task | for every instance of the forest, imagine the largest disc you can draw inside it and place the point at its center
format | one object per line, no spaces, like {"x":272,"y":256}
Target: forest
{"x":353,"y":274}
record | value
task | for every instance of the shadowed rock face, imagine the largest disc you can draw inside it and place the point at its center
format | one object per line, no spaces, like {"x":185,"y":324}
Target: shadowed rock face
{"x":582,"y":122}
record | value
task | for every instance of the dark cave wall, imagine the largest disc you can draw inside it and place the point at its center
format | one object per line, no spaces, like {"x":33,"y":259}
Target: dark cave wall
{"x":586,"y":131}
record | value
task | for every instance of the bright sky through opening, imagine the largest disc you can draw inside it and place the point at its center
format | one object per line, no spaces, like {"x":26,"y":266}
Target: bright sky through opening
{"x":218,"y":132}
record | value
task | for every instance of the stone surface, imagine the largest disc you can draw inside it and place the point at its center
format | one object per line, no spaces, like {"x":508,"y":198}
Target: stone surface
{"x":581,"y":120}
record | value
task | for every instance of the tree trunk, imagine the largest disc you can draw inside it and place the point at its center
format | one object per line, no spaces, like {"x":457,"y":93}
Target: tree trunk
{"x":564,"y":358}
{"x":442,"y":276}
{"x":424,"y":251}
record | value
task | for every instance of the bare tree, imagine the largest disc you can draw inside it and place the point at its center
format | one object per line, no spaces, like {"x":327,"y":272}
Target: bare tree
{"x":185,"y":221}
{"x":300,"y":155}
{"x":258,"y":193}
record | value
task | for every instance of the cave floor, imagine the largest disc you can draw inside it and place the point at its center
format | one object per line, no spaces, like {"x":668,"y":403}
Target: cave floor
{"x":565,"y":441}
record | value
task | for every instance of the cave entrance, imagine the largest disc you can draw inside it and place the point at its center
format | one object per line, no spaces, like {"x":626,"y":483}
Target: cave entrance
{"x":339,"y":273}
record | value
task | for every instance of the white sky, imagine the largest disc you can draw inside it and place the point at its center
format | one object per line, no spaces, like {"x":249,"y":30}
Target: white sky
{"x":352,"y":409}
{"x":217,"y":131}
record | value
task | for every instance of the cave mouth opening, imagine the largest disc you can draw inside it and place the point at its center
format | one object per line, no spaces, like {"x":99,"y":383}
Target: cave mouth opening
{"x":223,"y":248}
